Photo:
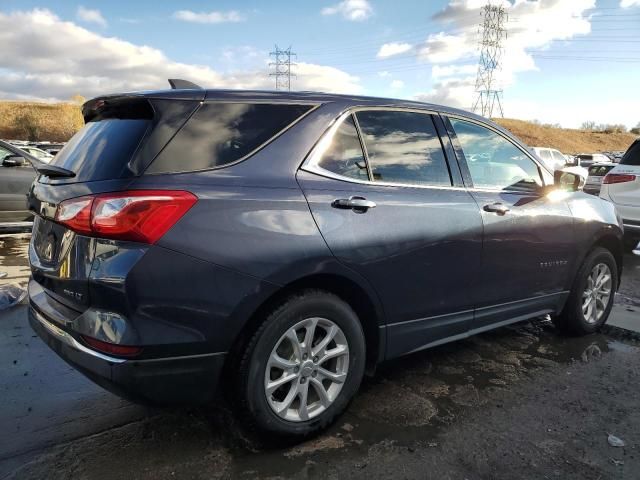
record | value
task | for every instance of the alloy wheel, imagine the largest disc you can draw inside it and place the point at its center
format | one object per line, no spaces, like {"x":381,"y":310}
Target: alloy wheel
{"x":597,"y":293}
{"x":307,"y":369}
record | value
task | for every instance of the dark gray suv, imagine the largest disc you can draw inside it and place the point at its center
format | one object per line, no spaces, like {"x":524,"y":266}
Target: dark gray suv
{"x":278,"y":245}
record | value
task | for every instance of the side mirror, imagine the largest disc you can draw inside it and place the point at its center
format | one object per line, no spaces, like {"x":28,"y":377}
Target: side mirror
{"x":569,"y":181}
{"x":13,"y":161}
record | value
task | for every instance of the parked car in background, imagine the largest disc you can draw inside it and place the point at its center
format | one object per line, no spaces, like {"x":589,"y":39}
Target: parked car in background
{"x":16,"y":176}
{"x":588,"y":159}
{"x":597,"y":171}
{"x":621,"y":186}
{"x":37,"y":153}
{"x":50,"y":147}
{"x":278,"y":244}
{"x":552,"y":158}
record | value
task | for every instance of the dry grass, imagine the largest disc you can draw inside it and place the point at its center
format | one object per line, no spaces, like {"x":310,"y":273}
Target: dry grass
{"x":39,"y":121}
{"x":565,"y":139}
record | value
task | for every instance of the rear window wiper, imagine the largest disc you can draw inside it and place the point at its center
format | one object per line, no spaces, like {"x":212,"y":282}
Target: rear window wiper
{"x":54,"y":172}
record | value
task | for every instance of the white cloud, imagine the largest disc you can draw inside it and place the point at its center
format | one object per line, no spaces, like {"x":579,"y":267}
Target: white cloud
{"x":231,"y":16}
{"x":440,"y":71}
{"x":354,"y":10}
{"x":384,"y":74}
{"x":455,"y":92}
{"x":394,"y":48}
{"x":534,"y":24}
{"x":397,"y":84}
{"x":45,"y":57}
{"x":89,"y":15}
{"x":629,"y":3}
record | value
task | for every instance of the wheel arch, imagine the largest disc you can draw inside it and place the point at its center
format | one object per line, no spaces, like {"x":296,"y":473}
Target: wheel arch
{"x":368,"y":309}
{"x":614,"y":244}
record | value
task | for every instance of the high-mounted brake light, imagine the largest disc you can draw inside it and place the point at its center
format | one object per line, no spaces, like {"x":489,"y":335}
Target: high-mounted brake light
{"x":135,"y":215}
{"x":610,"y":178}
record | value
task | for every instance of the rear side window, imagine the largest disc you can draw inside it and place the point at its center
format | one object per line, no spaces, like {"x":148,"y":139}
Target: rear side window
{"x":403,"y":147}
{"x":632,"y":156}
{"x":344,"y":155}
{"x":222,"y":133}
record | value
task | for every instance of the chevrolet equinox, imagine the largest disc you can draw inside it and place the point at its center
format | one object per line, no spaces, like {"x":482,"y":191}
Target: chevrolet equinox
{"x":277,"y":245}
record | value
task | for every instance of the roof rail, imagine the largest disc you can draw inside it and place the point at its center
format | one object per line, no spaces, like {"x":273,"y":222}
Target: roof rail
{"x":179,"y":84}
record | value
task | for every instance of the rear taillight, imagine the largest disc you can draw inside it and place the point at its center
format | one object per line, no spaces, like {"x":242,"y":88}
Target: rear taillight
{"x":610,"y":178}
{"x":136,"y":215}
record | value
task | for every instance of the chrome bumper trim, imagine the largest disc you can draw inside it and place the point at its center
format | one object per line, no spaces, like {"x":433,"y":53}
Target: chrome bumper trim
{"x":67,"y":339}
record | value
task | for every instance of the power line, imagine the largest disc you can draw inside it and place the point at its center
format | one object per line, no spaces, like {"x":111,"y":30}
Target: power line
{"x":491,"y":49}
{"x":282,"y":67}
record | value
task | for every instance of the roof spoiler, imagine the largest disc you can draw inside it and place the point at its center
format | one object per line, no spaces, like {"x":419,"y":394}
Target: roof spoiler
{"x":179,"y":84}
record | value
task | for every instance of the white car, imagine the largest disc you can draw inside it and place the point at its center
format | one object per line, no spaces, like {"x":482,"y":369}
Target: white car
{"x":553,"y":159}
{"x":621,"y":186}
{"x":37,"y":152}
{"x":588,"y":159}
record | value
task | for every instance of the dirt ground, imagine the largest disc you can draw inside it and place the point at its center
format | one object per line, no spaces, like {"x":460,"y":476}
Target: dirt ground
{"x":519,"y":402}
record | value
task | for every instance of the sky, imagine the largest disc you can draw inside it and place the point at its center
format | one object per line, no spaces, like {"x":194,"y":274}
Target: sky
{"x":564,"y":61}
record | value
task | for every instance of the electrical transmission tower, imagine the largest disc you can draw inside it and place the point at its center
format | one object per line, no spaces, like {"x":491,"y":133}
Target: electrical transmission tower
{"x":282,"y":66}
{"x":493,"y":30}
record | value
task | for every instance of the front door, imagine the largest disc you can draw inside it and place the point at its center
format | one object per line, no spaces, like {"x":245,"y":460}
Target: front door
{"x":392,"y":214}
{"x":528,"y":234}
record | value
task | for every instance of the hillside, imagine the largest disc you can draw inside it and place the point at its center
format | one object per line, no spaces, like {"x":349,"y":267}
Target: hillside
{"x":565,"y":139}
{"x":33,"y":121}
{"x":59,"y":121}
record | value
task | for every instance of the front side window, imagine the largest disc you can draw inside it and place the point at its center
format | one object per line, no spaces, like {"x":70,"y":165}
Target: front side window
{"x":494,"y":162}
{"x":343,"y":156}
{"x":403,"y":147}
{"x":222,"y":133}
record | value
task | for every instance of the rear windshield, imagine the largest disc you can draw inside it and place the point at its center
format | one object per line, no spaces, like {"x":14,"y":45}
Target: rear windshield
{"x":632,"y":156}
{"x":222,"y":133}
{"x":599,"y":170}
{"x":102,"y":149}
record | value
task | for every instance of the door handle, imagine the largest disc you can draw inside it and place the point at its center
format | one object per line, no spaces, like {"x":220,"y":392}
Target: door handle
{"x":357,"y":204}
{"x":496,"y":207}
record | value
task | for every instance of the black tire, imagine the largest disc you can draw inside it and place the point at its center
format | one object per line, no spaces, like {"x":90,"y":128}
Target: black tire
{"x":571,"y":320}
{"x":250,"y":385}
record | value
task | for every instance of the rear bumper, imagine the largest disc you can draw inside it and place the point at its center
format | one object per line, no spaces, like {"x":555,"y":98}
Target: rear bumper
{"x":175,"y":380}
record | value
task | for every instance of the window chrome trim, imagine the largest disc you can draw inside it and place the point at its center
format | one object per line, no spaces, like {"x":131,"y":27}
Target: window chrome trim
{"x":310,"y":164}
{"x":314,"y":107}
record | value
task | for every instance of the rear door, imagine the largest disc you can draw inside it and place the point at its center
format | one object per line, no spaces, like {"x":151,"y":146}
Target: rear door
{"x":392,"y":208}
{"x":528,"y":249}
{"x":14,"y":186}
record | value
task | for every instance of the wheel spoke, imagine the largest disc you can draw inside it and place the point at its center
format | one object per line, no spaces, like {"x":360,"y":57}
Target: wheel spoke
{"x":308,"y":337}
{"x":321,"y":391}
{"x":276,"y":384}
{"x":303,"y":410}
{"x":333,"y":353}
{"x":295,"y":343}
{"x":333,"y":376}
{"x":281,"y":363}
{"x":331,"y":333}
{"x":282,"y":407}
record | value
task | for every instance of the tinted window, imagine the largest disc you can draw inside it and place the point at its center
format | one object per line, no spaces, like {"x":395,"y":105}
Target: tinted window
{"x":545,"y":154}
{"x":403,"y":147}
{"x":4,"y":153}
{"x":102,"y":149}
{"x":632,"y":156}
{"x":494,"y":162}
{"x":344,"y":155}
{"x":558,"y":157}
{"x":221,"y":133}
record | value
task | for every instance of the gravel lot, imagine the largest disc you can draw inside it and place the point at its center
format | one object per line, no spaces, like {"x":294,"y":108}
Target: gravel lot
{"x":519,"y":402}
